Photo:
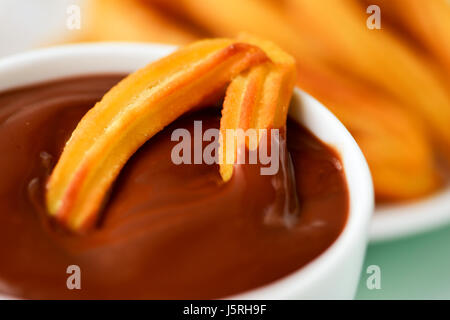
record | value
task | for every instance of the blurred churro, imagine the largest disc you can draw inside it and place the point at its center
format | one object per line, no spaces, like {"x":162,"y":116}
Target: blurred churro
{"x":394,"y":143}
{"x":132,"y":20}
{"x":425,"y":22}
{"x":379,"y":57}
{"x":231,"y":17}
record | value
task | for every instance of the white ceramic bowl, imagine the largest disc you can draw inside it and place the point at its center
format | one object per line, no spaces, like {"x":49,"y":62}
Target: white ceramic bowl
{"x":335,"y":273}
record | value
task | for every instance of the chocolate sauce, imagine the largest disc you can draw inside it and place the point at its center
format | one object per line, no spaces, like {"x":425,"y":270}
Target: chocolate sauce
{"x":167,"y":231}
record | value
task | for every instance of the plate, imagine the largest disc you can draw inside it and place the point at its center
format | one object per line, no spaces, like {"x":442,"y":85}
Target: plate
{"x":391,"y":222}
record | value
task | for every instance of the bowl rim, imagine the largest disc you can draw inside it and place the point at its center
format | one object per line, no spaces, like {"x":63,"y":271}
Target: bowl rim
{"x":359,"y":181}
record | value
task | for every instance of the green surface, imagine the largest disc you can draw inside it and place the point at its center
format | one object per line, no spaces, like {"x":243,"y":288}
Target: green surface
{"x":411,"y":268}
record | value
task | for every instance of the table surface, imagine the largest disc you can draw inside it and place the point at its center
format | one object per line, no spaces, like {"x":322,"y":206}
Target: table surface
{"x":411,"y":268}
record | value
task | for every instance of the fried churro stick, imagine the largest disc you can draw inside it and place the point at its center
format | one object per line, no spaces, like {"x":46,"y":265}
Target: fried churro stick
{"x":130,"y":114}
{"x":257,"y":99}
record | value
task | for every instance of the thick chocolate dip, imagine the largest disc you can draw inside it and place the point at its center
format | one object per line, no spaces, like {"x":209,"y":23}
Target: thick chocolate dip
{"x":167,"y":231}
